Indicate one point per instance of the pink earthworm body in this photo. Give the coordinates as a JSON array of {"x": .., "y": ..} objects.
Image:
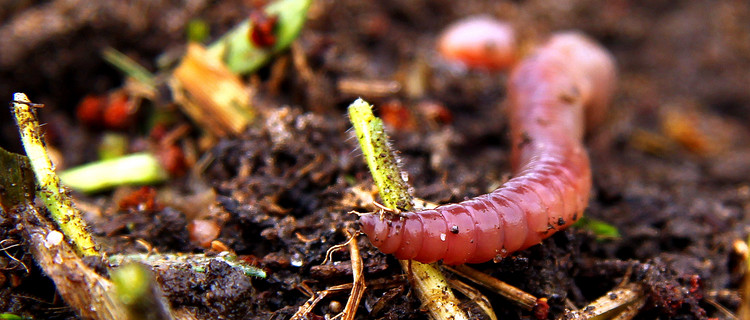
[
  {"x": 565, "y": 85},
  {"x": 480, "y": 43}
]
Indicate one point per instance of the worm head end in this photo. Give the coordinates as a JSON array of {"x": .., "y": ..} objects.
[{"x": 368, "y": 223}]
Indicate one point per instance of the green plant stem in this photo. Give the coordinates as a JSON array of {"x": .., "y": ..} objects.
[
  {"x": 380, "y": 159},
  {"x": 138, "y": 292},
  {"x": 67, "y": 217},
  {"x": 197, "y": 261},
  {"x": 128, "y": 66},
  {"x": 133, "y": 169},
  {"x": 429, "y": 282}
]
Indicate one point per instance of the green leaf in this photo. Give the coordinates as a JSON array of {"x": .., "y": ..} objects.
[
  {"x": 16, "y": 180},
  {"x": 602, "y": 230},
  {"x": 10, "y": 316},
  {"x": 242, "y": 57}
]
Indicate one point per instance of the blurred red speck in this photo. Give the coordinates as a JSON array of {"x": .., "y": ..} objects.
[
  {"x": 15, "y": 280},
  {"x": 397, "y": 116},
  {"x": 435, "y": 111},
  {"x": 695, "y": 286},
  {"x": 218, "y": 246},
  {"x": 249, "y": 259},
  {"x": 158, "y": 131},
  {"x": 541, "y": 309},
  {"x": 141, "y": 199},
  {"x": 479, "y": 42},
  {"x": 376, "y": 25},
  {"x": 118, "y": 114},
  {"x": 262, "y": 29},
  {"x": 89, "y": 110},
  {"x": 173, "y": 159},
  {"x": 276, "y": 260}
]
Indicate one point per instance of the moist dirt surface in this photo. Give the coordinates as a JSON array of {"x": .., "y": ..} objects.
[{"x": 671, "y": 164}]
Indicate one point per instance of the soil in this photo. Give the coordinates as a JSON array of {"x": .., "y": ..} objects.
[{"x": 671, "y": 164}]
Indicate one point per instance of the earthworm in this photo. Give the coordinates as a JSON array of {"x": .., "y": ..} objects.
[
  {"x": 479, "y": 42},
  {"x": 565, "y": 85}
]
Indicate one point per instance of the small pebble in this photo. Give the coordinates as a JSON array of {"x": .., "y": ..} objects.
[{"x": 202, "y": 232}]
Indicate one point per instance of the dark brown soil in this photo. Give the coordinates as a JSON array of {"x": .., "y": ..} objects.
[{"x": 671, "y": 164}]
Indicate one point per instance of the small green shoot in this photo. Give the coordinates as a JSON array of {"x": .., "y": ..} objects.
[
  {"x": 10, "y": 316},
  {"x": 60, "y": 205},
  {"x": 380, "y": 159},
  {"x": 128, "y": 66},
  {"x": 131, "y": 282},
  {"x": 134, "y": 169},
  {"x": 112, "y": 146},
  {"x": 247, "y": 269},
  {"x": 602, "y": 230},
  {"x": 197, "y": 262},
  {"x": 197, "y": 30},
  {"x": 137, "y": 290}
]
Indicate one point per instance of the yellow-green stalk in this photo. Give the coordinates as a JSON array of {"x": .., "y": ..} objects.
[
  {"x": 60, "y": 206},
  {"x": 382, "y": 162},
  {"x": 431, "y": 286}
]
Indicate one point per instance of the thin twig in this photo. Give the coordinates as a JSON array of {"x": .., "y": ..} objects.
[
  {"x": 332, "y": 249},
  {"x": 726, "y": 312},
  {"x": 5, "y": 249},
  {"x": 619, "y": 298},
  {"x": 520, "y": 297},
  {"x": 305, "y": 309},
  {"x": 358, "y": 286},
  {"x": 744, "y": 309},
  {"x": 631, "y": 310},
  {"x": 475, "y": 295}
]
